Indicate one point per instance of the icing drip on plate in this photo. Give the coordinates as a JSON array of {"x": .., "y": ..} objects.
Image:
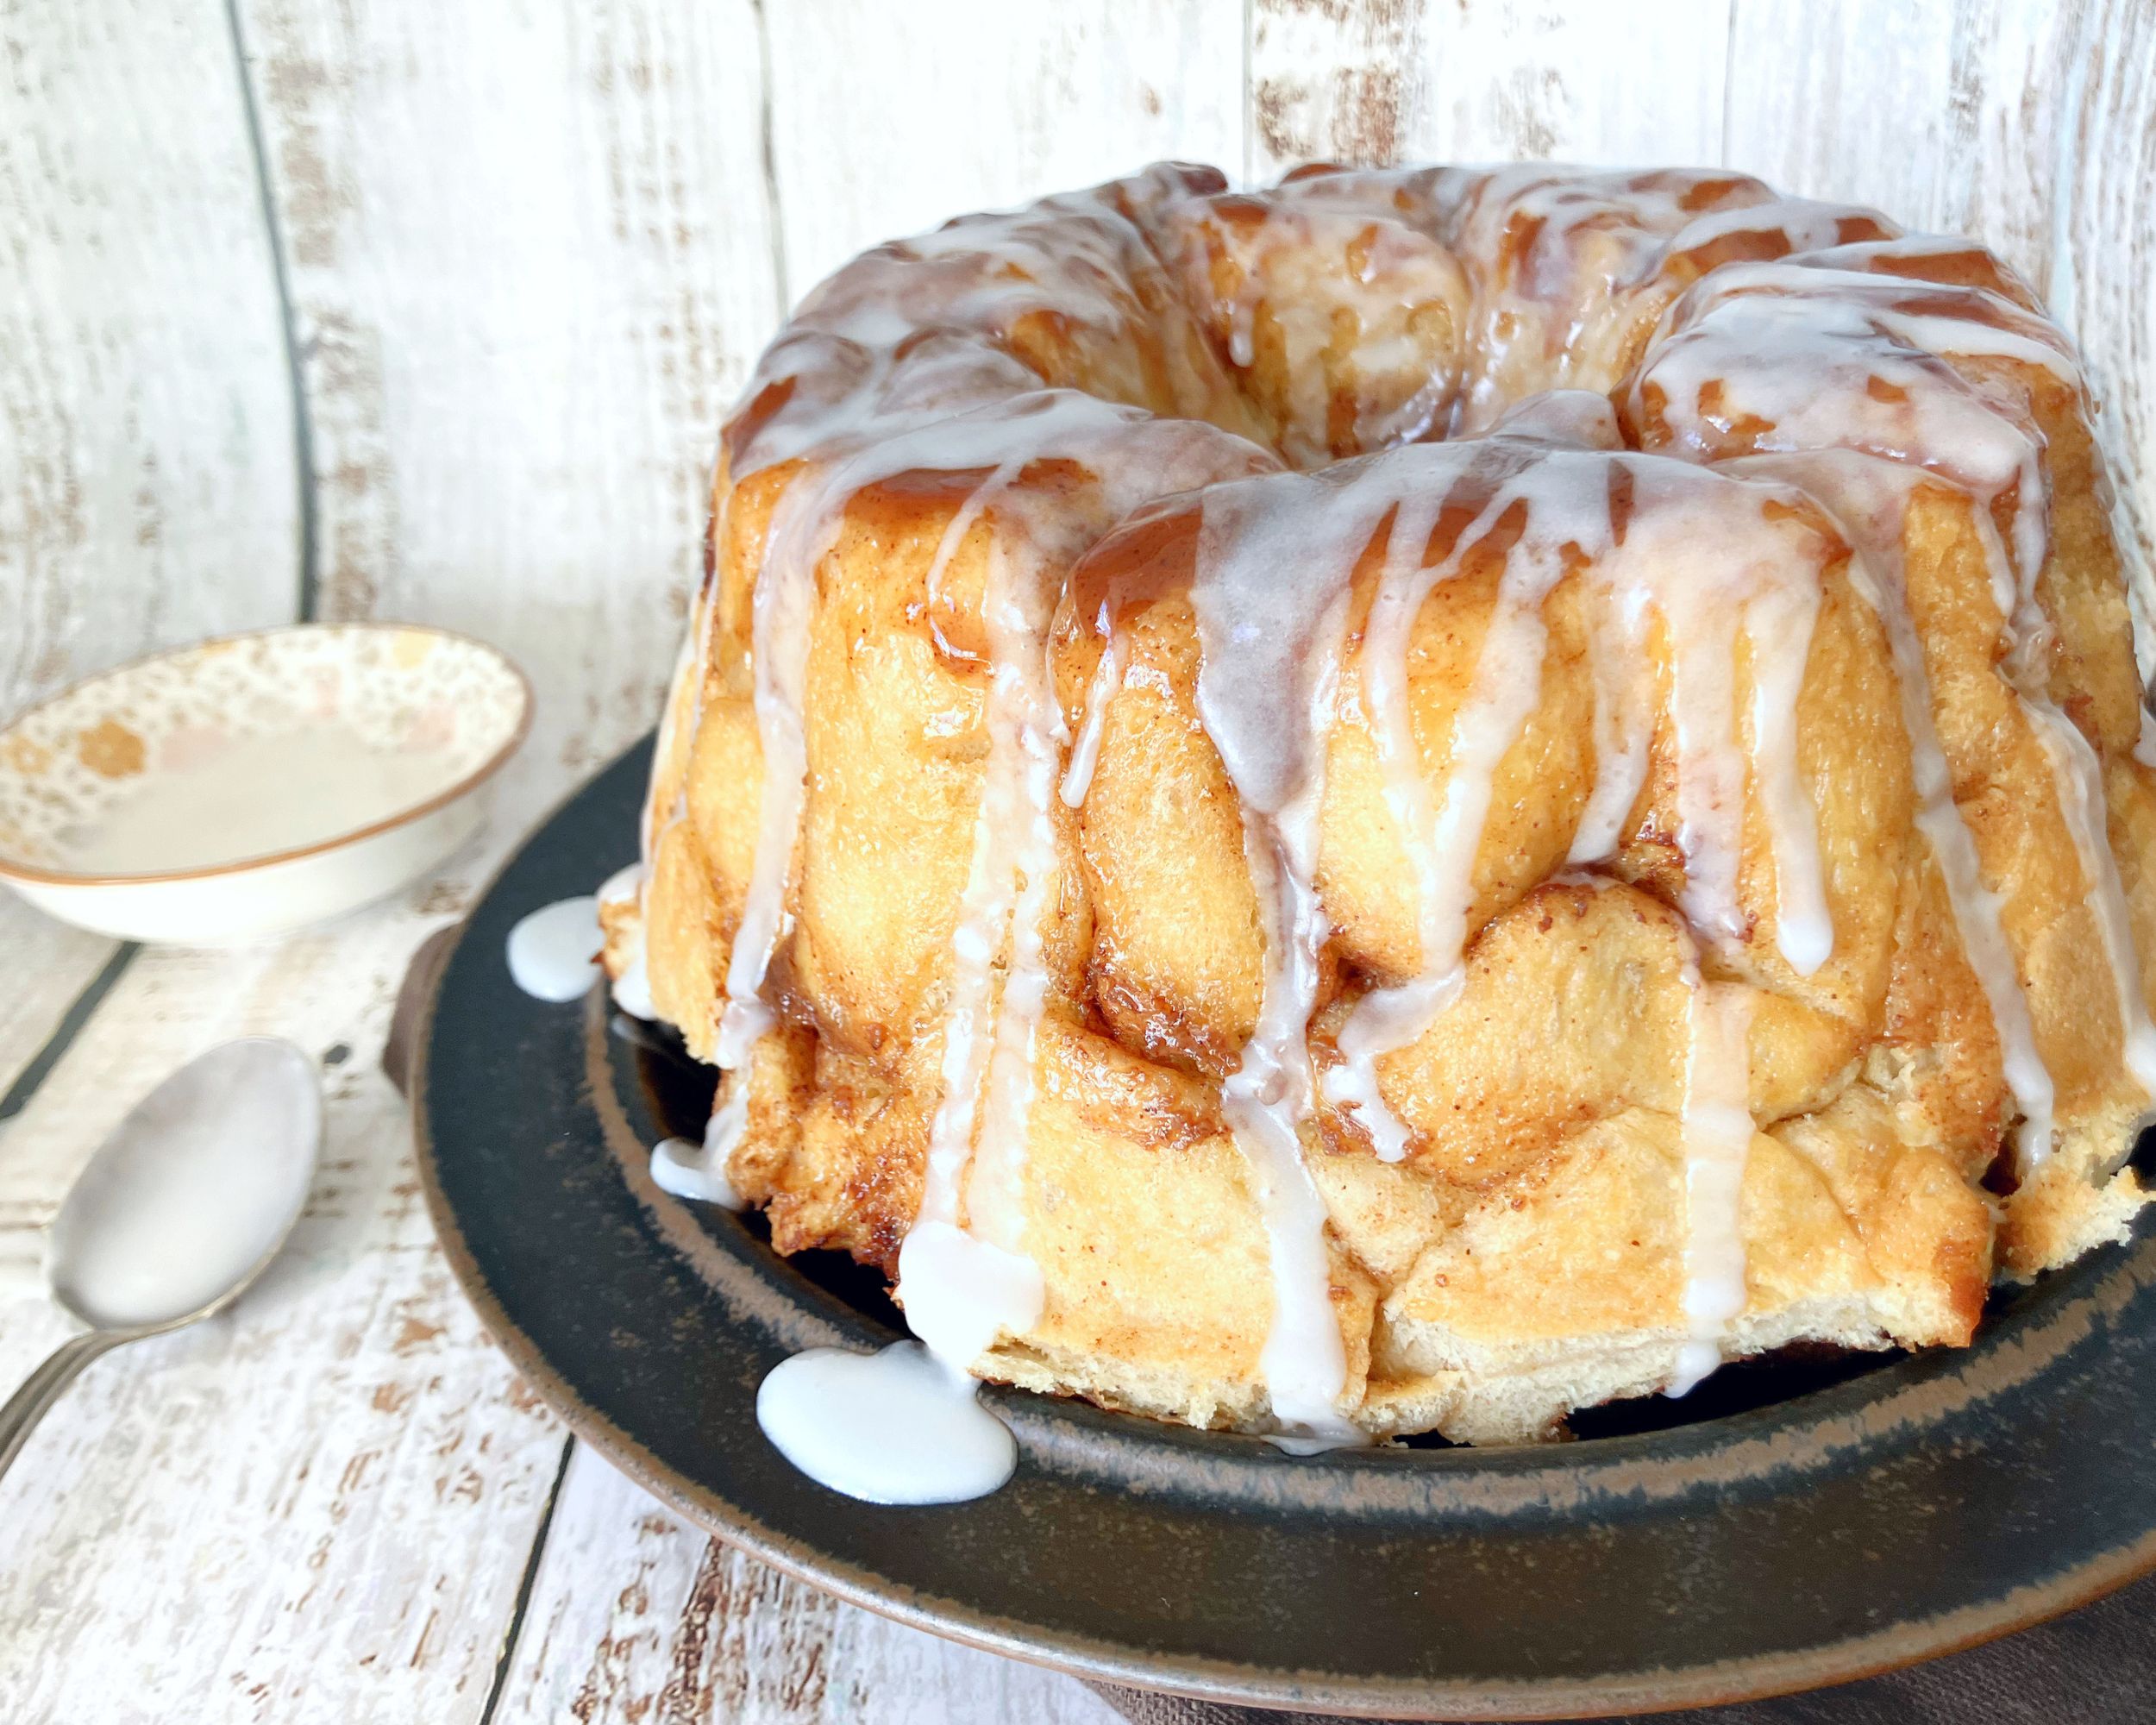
[
  {"x": 553, "y": 952},
  {"x": 689, "y": 1170},
  {"x": 896, "y": 1427}
]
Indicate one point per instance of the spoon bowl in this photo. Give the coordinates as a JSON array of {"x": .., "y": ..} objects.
[
  {"x": 193, "y": 1192},
  {"x": 179, "y": 1209}
]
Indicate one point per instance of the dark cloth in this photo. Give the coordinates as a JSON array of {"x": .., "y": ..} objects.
[{"x": 2094, "y": 1666}]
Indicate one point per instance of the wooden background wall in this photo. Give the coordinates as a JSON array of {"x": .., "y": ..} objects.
[
  {"x": 389, "y": 308},
  {"x": 402, "y": 308}
]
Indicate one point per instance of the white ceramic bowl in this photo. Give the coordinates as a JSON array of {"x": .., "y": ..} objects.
[{"x": 253, "y": 785}]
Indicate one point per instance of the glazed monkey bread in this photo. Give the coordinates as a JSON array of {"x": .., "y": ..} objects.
[{"x": 1415, "y": 800}]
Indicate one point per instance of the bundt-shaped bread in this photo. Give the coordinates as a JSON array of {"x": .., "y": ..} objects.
[{"x": 1415, "y": 800}]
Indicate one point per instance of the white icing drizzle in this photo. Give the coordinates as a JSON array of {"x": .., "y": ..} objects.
[
  {"x": 1443, "y": 842},
  {"x": 1712, "y": 572},
  {"x": 1266, "y": 1100},
  {"x": 1777, "y": 626},
  {"x": 1119, "y": 443},
  {"x": 2078, "y": 775},
  {"x": 687, "y": 1170},
  {"x": 1705, "y": 560},
  {"x": 1829, "y": 358},
  {"x": 1717, "y": 1128},
  {"x": 1802, "y": 224},
  {"x": 1810, "y": 358},
  {"x": 1387, "y": 1018},
  {"x": 2077, "y": 778},
  {"x": 703, "y": 1172},
  {"x": 779, "y": 626},
  {"x": 1267, "y": 626},
  {"x": 1869, "y": 499},
  {"x": 1624, "y": 726},
  {"x": 632, "y": 988},
  {"x": 906, "y": 363},
  {"x": 553, "y": 952},
  {"x": 1084, "y": 752},
  {"x": 1269, "y": 630},
  {"x": 963, "y": 1277}
]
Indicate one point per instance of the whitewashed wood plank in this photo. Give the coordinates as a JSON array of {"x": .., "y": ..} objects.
[
  {"x": 48, "y": 964},
  {"x": 148, "y": 491},
  {"x": 2103, "y": 258},
  {"x": 637, "y": 1616},
  {"x": 530, "y": 252},
  {"x": 1381, "y": 81},
  {"x": 1924, "y": 110},
  {"x": 887, "y": 120},
  {"x": 318, "y": 1506},
  {"x": 2032, "y": 126}
]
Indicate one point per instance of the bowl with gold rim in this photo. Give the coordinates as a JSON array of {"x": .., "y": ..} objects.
[{"x": 244, "y": 787}]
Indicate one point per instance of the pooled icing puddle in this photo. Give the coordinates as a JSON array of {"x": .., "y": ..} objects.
[
  {"x": 894, "y": 1426},
  {"x": 553, "y": 953}
]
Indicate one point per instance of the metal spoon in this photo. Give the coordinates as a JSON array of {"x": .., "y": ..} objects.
[{"x": 179, "y": 1210}]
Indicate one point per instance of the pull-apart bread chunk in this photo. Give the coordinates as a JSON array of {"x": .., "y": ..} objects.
[{"x": 1416, "y": 801}]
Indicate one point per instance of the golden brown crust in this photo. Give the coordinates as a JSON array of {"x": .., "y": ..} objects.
[{"x": 1528, "y": 1256}]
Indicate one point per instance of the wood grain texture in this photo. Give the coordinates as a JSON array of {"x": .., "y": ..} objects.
[
  {"x": 529, "y": 254},
  {"x": 888, "y": 120},
  {"x": 1377, "y": 81},
  {"x": 534, "y": 249},
  {"x": 147, "y": 484},
  {"x": 318, "y": 1505},
  {"x": 48, "y": 964},
  {"x": 2103, "y": 259},
  {"x": 638, "y": 1619}
]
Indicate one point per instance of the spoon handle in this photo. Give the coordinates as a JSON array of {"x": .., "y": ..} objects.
[{"x": 43, "y": 1387}]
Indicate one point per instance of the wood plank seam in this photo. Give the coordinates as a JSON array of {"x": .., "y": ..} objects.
[
  {"x": 306, "y": 601},
  {"x": 71, "y": 1024},
  {"x": 1729, "y": 74},
  {"x": 523, "y": 1602},
  {"x": 1248, "y": 167},
  {"x": 781, "y": 277}
]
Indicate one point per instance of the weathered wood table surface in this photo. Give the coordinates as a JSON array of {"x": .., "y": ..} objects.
[
  {"x": 384, "y": 309},
  {"x": 337, "y": 1500}
]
